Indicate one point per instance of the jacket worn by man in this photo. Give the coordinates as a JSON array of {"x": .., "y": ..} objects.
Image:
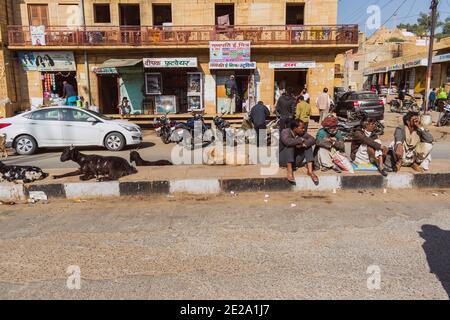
[
  {"x": 400, "y": 135},
  {"x": 230, "y": 87},
  {"x": 259, "y": 115},
  {"x": 286, "y": 106},
  {"x": 303, "y": 111},
  {"x": 68, "y": 91},
  {"x": 289, "y": 140},
  {"x": 322, "y": 142},
  {"x": 359, "y": 138},
  {"x": 323, "y": 101}
]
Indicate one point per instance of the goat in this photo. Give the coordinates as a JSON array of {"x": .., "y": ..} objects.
[
  {"x": 27, "y": 174},
  {"x": 136, "y": 158},
  {"x": 93, "y": 166}
]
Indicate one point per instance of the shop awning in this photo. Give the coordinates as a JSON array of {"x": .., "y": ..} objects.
[{"x": 117, "y": 63}]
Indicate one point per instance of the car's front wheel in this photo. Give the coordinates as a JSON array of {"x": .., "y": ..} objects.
[
  {"x": 114, "y": 141},
  {"x": 25, "y": 145}
]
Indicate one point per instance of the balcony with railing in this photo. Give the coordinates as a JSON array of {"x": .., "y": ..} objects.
[{"x": 90, "y": 36}]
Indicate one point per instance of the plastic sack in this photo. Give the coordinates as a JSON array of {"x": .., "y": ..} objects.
[{"x": 342, "y": 161}]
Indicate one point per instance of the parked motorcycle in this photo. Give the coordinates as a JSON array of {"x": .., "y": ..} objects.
[
  {"x": 185, "y": 133},
  {"x": 164, "y": 128},
  {"x": 348, "y": 126},
  {"x": 408, "y": 105},
  {"x": 224, "y": 128},
  {"x": 444, "y": 118}
]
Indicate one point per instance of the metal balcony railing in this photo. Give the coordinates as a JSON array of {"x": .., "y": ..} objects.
[{"x": 187, "y": 35}]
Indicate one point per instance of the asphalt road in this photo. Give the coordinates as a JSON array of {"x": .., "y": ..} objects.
[
  {"x": 226, "y": 247},
  {"x": 152, "y": 149}
]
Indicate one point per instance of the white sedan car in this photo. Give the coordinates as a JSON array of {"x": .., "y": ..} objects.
[{"x": 66, "y": 126}]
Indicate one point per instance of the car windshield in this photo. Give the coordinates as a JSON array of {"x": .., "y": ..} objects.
[
  {"x": 101, "y": 116},
  {"x": 367, "y": 96}
]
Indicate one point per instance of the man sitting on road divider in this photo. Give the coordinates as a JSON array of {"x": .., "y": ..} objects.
[
  {"x": 328, "y": 141},
  {"x": 296, "y": 147},
  {"x": 367, "y": 147},
  {"x": 412, "y": 144}
]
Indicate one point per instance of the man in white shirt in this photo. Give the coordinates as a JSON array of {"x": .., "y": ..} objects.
[{"x": 324, "y": 103}]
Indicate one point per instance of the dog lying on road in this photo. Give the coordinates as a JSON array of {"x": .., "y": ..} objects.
[
  {"x": 93, "y": 166},
  {"x": 136, "y": 158},
  {"x": 214, "y": 156},
  {"x": 4, "y": 153},
  {"x": 27, "y": 174}
]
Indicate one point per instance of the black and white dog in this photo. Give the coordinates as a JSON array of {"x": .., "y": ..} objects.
[{"x": 27, "y": 174}]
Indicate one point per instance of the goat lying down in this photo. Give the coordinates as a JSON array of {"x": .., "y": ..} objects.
[
  {"x": 98, "y": 167},
  {"x": 136, "y": 158},
  {"x": 27, "y": 174}
]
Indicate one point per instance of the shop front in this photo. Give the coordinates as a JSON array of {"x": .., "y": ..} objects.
[
  {"x": 54, "y": 68},
  {"x": 118, "y": 79},
  {"x": 232, "y": 58},
  {"x": 290, "y": 74},
  {"x": 244, "y": 73},
  {"x": 173, "y": 85}
]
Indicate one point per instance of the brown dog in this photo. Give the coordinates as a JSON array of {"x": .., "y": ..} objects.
[{"x": 3, "y": 152}]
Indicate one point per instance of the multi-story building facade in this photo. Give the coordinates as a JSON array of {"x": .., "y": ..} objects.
[{"x": 175, "y": 53}]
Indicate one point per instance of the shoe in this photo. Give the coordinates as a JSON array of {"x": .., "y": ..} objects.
[
  {"x": 383, "y": 172},
  {"x": 417, "y": 168},
  {"x": 337, "y": 169}
]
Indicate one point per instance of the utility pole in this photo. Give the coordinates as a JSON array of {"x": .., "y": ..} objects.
[
  {"x": 86, "y": 61},
  {"x": 434, "y": 5}
]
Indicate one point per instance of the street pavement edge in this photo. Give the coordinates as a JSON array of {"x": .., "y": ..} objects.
[{"x": 83, "y": 190}]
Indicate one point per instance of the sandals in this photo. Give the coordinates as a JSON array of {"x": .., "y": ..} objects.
[{"x": 314, "y": 178}]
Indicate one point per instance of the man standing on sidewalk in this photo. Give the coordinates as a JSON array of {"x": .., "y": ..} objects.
[
  {"x": 259, "y": 114},
  {"x": 323, "y": 102},
  {"x": 285, "y": 108},
  {"x": 230, "y": 91}
]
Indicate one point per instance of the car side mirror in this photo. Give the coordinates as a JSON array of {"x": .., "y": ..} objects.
[{"x": 92, "y": 120}]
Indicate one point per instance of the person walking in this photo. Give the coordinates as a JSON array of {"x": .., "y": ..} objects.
[
  {"x": 285, "y": 107},
  {"x": 324, "y": 102}
]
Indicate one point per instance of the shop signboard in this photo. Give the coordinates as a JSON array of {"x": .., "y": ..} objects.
[
  {"x": 37, "y": 35},
  {"x": 380, "y": 70},
  {"x": 232, "y": 65},
  {"x": 170, "y": 63},
  {"x": 48, "y": 61},
  {"x": 395, "y": 67},
  {"x": 100, "y": 70},
  {"x": 416, "y": 63},
  {"x": 292, "y": 64},
  {"x": 229, "y": 51},
  {"x": 441, "y": 58}
]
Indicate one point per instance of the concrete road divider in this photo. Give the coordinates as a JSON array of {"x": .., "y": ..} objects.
[{"x": 85, "y": 190}]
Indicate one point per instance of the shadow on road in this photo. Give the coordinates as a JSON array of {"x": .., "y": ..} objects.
[
  {"x": 47, "y": 151},
  {"x": 437, "y": 249}
]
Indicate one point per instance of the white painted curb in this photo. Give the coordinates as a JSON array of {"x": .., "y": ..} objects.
[
  {"x": 400, "y": 181},
  {"x": 10, "y": 191},
  {"x": 92, "y": 190},
  {"x": 193, "y": 186},
  {"x": 325, "y": 183}
]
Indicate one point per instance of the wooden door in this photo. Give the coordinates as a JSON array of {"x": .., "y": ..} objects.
[{"x": 38, "y": 14}]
